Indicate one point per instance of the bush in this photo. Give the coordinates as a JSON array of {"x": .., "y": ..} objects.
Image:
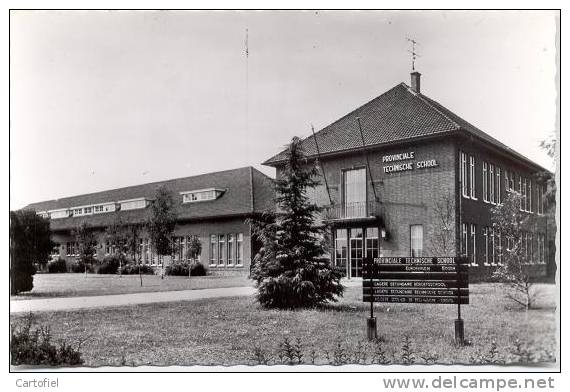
[
  {"x": 177, "y": 269},
  {"x": 109, "y": 265},
  {"x": 34, "y": 347},
  {"x": 133, "y": 269},
  {"x": 57, "y": 267},
  {"x": 79, "y": 267},
  {"x": 197, "y": 269}
]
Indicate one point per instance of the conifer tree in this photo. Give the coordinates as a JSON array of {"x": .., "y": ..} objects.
[{"x": 290, "y": 269}]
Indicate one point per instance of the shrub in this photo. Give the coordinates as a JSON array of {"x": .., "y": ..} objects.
[
  {"x": 79, "y": 267},
  {"x": 177, "y": 269},
  {"x": 133, "y": 269},
  {"x": 57, "y": 266},
  {"x": 29, "y": 243},
  {"x": 198, "y": 269},
  {"x": 109, "y": 265},
  {"x": 34, "y": 347}
]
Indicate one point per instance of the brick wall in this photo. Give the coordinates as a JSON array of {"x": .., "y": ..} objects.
[{"x": 407, "y": 197}]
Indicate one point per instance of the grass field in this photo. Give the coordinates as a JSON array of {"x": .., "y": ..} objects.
[
  {"x": 74, "y": 285},
  {"x": 225, "y": 331}
]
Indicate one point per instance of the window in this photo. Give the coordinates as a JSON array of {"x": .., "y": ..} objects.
[
  {"x": 213, "y": 249},
  {"x": 486, "y": 236},
  {"x": 221, "y": 250},
  {"x": 231, "y": 249},
  {"x": 372, "y": 242},
  {"x": 201, "y": 195},
  {"x": 356, "y": 252},
  {"x": 354, "y": 192},
  {"x": 239, "y": 249},
  {"x": 507, "y": 188},
  {"x": 463, "y": 249},
  {"x": 463, "y": 173},
  {"x": 416, "y": 240},
  {"x": 493, "y": 245},
  {"x": 473, "y": 244},
  {"x": 499, "y": 248},
  {"x": 521, "y": 194},
  {"x": 498, "y": 189},
  {"x": 492, "y": 183},
  {"x": 539, "y": 201},
  {"x": 529, "y": 195},
  {"x": 472, "y": 176},
  {"x": 541, "y": 248},
  {"x": 87, "y": 210},
  {"x": 341, "y": 248},
  {"x": 485, "y": 185},
  {"x": 133, "y": 204}
]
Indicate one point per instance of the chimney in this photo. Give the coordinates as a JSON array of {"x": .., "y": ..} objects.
[{"x": 416, "y": 81}]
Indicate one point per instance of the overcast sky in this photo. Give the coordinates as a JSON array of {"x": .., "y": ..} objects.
[{"x": 101, "y": 100}]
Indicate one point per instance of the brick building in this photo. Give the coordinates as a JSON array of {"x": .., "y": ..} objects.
[
  {"x": 402, "y": 170},
  {"x": 213, "y": 207}
]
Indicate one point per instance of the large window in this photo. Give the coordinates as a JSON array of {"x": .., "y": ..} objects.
[
  {"x": 464, "y": 245},
  {"x": 492, "y": 183},
  {"x": 472, "y": 177},
  {"x": 239, "y": 249},
  {"x": 463, "y": 173},
  {"x": 498, "y": 188},
  {"x": 529, "y": 196},
  {"x": 221, "y": 250},
  {"x": 354, "y": 192},
  {"x": 521, "y": 192},
  {"x": 486, "y": 238},
  {"x": 372, "y": 242},
  {"x": 473, "y": 244},
  {"x": 231, "y": 249},
  {"x": 416, "y": 240},
  {"x": 485, "y": 183},
  {"x": 213, "y": 249},
  {"x": 341, "y": 248}
]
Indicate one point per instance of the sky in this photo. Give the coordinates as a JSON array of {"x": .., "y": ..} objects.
[{"x": 106, "y": 99}]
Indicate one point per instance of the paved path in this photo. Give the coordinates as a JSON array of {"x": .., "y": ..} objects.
[{"x": 100, "y": 301}]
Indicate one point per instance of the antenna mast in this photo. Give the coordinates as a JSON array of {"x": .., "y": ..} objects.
[{"x": 413, "y": 52}]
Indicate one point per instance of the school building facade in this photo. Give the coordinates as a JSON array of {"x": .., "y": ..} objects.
[
  {"x": 404, "y": 176},
  {"x": 213, "y": 207}
]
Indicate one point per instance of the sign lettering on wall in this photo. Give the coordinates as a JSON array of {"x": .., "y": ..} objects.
[{"x": 406, "y": 166}]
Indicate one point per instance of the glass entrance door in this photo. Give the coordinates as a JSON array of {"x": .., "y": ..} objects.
[
  {"x": 356, "y": 252},
  {"x": 350, "y": 247}
]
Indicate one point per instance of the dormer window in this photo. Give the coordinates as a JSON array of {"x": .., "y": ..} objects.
[
  {"x": 133, "y": 204},
  {"x": 201, "y": 195}
]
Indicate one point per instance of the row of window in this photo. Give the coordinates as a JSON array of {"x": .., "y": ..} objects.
[
  {"x": 492, "y": 179},
  {"x": 226, "y": 250},
  {"x": 133, "y": 204},
  {"x": 532, "y": 245}
]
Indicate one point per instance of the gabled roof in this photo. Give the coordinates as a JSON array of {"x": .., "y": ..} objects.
[
  {"x": 397, "y": 115},
  {"x": 246, "y": 191}
]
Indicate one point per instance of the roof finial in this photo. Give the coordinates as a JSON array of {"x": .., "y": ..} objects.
[{"x": 413, "y": 52}]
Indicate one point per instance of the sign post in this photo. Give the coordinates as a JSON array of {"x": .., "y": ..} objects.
[
  {"x": 371, "y": 331},
  {"x": 420, "y": 280}
]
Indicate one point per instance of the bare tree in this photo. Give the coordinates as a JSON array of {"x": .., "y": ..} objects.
[
  {"x": 442, "y": 238},
  {"x": 510, "y": 222}
]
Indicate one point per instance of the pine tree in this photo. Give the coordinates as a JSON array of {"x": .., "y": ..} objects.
[{"x": 290, "y": 269}]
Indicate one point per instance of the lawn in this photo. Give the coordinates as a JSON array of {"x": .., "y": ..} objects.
[
  {"x": 76, "y": 284},
  {"x": 226, "y": 331}
]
